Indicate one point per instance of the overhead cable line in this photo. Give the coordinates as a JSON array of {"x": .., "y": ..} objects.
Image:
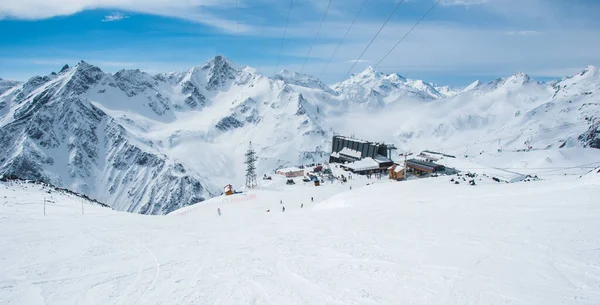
[
  {"x": 343, "y": 38},
  {"x": 262, "y": 34},
  {"x": 582, "y": 166},
  {"x": 237, "y": 29},
  {"x": 284, "y": 32},
  {"x": 513, "y": 135},
  {"x": 373, "y": 39},
  {"x": 407, "y": 33},
  {"x": 314, "y": 39}
]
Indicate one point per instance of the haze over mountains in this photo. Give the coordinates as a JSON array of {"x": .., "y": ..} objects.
[{"x": 153, "y": 143}]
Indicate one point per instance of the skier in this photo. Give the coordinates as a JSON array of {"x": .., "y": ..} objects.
[
  {"x": 312, "y": 199},
  {"x": 351, "y": 187},
  {"x": 268, "y": 211},
  {"x": 301, "y": 205},
  {"x": 219, "y": 211},
  {"x": 280, "y": 201},
  {"x": 283, "y": 210}
]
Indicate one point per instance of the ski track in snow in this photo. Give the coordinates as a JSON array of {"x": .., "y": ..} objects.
[{"x": 386, "y": 243}]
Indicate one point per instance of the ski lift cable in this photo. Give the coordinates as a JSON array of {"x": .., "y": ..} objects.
[
  {"x": 407, "y": 33},
  {"x": 262, "y": 34},
  {"x": 316, "y": 35},
  {"x": 284, "y": 32},
  {"x": 373, "y": 39},
  {"x": 582, "y": 166},
  {"x": 343, "y": 38},
  {"x": 514, "y": 135}
]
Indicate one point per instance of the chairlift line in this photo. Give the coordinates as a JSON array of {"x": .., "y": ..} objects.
[
  {"x": 316, "y": 35},
  {"x": 283, "y": 37},
  {"x": 237, "y": 28},
  {"x": 343, "y": 38},
  {"x": 514, "y": 135},
  {"x": 407, "y": 33},
  {"x": 373, "y": 39}
]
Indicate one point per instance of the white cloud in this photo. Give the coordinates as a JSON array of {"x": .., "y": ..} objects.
[
  {"x": 463, "y": 2},
  {"x": 114, "y": 17},
  {"x": 450, "y": 49},
  {"x": 522, "y": 33},
  {"x": 193, "y": 10},
  {"x": 357, "y": 60}
]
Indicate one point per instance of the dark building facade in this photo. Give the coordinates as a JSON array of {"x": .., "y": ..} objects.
[
  {"x": 424, "y": 166},
  {"x": 344, "y": 149}
]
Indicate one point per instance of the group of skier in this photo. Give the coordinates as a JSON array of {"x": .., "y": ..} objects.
[
  {"x": 280, "y": 202},
  {"x": 301, "y": 205}
]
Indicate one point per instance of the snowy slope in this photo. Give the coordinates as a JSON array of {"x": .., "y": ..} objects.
[
  {"x": 386, "y": 243},
  {"x": 5, "y": 85},
  {"x": 153, "y": 143}
]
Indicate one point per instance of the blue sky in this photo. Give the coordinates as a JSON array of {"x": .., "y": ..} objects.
[{"x": 459, "y": 42}]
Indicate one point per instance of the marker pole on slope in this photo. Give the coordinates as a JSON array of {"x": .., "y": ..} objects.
[
  {"x": 82, "y": 212},
  {"x": 44, "y": 206}
]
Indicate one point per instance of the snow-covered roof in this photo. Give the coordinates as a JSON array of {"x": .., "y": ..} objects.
[
  {"x": 335, "y": 154},
  {"x": 352, "y": 139},
  {"x": 289, "y": 169},
  {"x": 350, "y": 152},
  {"x": 429, "y": 156},
  {"x": 362, "y": 165},
  {"x": 396, "y": 168},
  {"x": 382, "y": 159}
]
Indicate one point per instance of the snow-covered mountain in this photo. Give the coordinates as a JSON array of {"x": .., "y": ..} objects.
[
  {"x": 389, "y": 88},
  {"x": 152, "y": 143},
  {"x": 5, "y": 85}
]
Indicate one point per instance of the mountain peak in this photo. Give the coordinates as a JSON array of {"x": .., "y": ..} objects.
[
  {"x": 64, "y": 68},
  {"x": 592, "y": 70},
  {"x": 215, "y": 72},
  {"x": 519, "y": 78},
  {"x": 472, "y": 86},
  {"x": 84, "y": 66},
  {"x": 287, "y": 73},
  {"x": 83, "y": 77},
  {"x": 368, "y": 71},
  {"x": 300, "y": 79},
  {"x": 219, "y": 62}
]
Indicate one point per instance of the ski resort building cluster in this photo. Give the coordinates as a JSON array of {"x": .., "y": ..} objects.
[{"x": 365, "y": 158}]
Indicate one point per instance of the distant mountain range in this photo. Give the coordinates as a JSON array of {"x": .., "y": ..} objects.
[{"x": 153, "y": 143}]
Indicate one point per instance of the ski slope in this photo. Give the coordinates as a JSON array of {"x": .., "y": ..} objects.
[{"x": 425, "y": 241}]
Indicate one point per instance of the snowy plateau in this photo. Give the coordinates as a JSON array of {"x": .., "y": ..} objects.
[
  {"x": 425, "y": 241},
  {"x": 85, "y": 154},
  {"x": 151, "y": 144}
]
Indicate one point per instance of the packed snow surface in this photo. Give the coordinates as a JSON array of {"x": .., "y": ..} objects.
[{"x": 425, "y": 241}]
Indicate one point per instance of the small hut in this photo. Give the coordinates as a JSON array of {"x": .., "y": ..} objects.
[
  {"x": 396, "y": 172},
  {"x": 228, "y": 190}
]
